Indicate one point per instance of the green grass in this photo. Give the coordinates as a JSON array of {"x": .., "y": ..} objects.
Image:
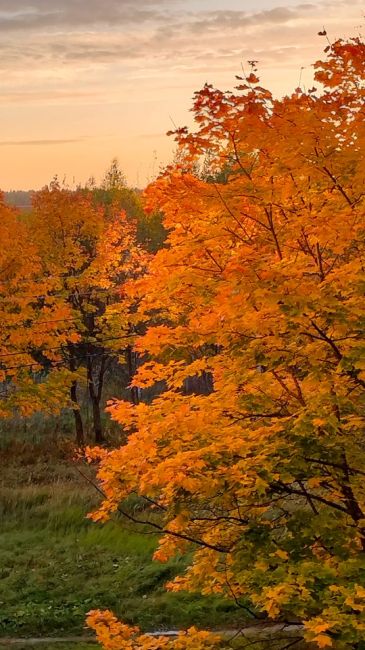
[
  {"x": 56, "y": 565},
  {"x": 55, "y": 646}
]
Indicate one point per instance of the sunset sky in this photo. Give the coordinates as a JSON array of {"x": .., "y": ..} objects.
[{"x": 83, "y": 81}]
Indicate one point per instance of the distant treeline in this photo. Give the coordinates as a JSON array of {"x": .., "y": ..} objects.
[{"x": 20, "y": 199}]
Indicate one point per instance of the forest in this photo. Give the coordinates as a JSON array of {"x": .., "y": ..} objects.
[{"x": 182, "y": 380}]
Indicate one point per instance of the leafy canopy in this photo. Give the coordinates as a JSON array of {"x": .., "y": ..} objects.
[{"x": 261, "y": 287}]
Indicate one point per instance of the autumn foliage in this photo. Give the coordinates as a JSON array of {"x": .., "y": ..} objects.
[
  {"x": 87, "y": 251},
  {"x": 261, "y": 289},
  {"x": 116, "y": 636},
  {"x": 64, "y": 314},
  {"x": 32, "y": 319}
]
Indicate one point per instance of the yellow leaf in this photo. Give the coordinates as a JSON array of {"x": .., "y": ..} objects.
[
  {"x": 282, "y": 554},
  {"x": 323, "y": 640}
]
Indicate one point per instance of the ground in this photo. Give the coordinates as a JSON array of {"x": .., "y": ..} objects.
[{"x": 56, "y": 564}]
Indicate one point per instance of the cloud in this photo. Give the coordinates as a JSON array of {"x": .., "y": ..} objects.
[
  {"x": 26, "y": 143},
  {"x": 46, "y": 93},
  {"x": 74, "y": 66},
  {"x": 167, "y": 36},
  {"x": 40, "y": 15},
  {"x": 58, "y": 14},
  {"x": 152, "y": 136},
  {"x": 92, "y": 46},
  {"x": 74, "y": 31},
  {"x": 236, "y": 20}
]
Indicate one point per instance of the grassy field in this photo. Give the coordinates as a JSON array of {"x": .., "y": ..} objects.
[{"x": 56, "y": 565}]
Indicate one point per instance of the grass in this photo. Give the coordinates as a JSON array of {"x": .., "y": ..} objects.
[
  {"x": 56, "y": 565},
  {"x": 56, "y": 646}
]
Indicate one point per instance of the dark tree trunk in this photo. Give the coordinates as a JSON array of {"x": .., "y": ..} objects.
[
  {"x": 79, "y": 428},
  {"x": 98, "y": 428},
  {"x": 95, "y": 393},
  {"x": 199, "y": 384},
  {"x": 132, "y": 366}
]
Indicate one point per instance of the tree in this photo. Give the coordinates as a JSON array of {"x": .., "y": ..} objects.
[
  {"x": 114, "y": 178},
  {"x": 261, "y": 284},
  {"x": 114, "y": 194},
  {"x": 88, "y": 254},
  {"x": 31, "y": 320}
]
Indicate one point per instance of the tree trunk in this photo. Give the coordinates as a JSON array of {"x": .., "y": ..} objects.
[
  {"x": 132, "y": 365},
  {"x": 199, "y": 384},
  {"x": 79, "y": 429},
  {"x": 98, "y": 428},
  {"x": 95, "y": 393}
]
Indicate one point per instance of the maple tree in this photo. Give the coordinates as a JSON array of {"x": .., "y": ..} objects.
[
  {"x": 113, "y": 195},
  {"x": 86, "y": 254},
  {"x": 261, "y": 287},
  {"x": 28, "y": 318}
]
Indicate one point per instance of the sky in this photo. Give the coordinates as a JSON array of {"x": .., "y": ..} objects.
[{"x": 84, "y": 81}]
